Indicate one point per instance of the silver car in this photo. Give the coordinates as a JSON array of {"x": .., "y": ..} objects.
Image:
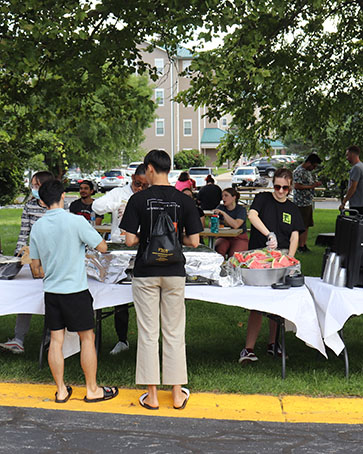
[
  {"x": 114, "y": 178},
  {"x": 199, "y": 174},
  {"x": 244, "y": 175}
]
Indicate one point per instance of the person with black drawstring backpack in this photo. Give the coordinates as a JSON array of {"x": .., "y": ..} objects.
[{"x": 159, "y": 220}]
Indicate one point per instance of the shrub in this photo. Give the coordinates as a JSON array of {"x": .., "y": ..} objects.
[{"x": 189, "y": 158}]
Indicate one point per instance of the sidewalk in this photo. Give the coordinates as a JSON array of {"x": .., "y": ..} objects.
[{"x": 290, "y": 409}]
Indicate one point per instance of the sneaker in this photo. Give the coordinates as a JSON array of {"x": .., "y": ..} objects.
[
  {"x": 271, "y": 350},
  {"x": 13, "y": 346},
  {"x": 245, "y": 356},
  {"x": 120, "y": 347},
  {"x": 303, "y": 249}
]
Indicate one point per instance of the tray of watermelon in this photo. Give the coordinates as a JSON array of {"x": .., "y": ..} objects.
[{"x": 263, "y": 267}]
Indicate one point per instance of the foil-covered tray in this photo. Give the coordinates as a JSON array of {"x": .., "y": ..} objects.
[
  {"x": 203, "y": 265},
  {"x": 9, "y": 267}
]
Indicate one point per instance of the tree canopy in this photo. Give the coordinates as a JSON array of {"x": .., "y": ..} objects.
[
  {"x": 66, "y": 69},
  {"x": 284, "y": 68}
]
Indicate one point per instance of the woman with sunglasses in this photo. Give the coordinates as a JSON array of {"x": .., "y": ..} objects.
[{"x": 275, "y": 222}]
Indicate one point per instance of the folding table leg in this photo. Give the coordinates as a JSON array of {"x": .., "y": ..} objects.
[
  {"x": 283, "y": 348},
  {"x": 43, "y": 344},
  {"x": 280, "y": 330},
  {"x": 345, "y": 354}
]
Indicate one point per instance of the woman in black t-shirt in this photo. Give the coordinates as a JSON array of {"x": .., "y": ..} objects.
[
  {"x": 234, "y": 216},
  {"x": 276, "y": 222}
]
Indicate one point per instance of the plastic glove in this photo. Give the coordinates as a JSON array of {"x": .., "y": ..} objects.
[{"x": 271, "y": 242}]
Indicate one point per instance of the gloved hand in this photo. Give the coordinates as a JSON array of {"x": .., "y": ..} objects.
[{"x": 271, "y": 242}]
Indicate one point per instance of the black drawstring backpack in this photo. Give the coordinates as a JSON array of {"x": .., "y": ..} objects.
[{"x": 163, "y": 248}]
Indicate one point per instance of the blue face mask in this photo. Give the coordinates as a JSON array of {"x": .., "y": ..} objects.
[{"x": 35, "y": 193}]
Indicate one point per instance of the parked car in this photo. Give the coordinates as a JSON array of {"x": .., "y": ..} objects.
[
  {"x": 285, "y": 157},
  {"x": 199, "y": 174},
  {"x": 114, "y": 178},
  {"x": 173, "y": 176},
  {"x": 266, "y": 166},
  {"x": 244, "y": 175},
  {"x": 133, "y": 166},
  {"x": 73, "y": 180},
  {"x": 96, "y": 176}
]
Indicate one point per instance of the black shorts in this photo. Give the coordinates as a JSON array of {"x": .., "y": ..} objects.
[
  {"x": 73, "y": 311},
  {"x": 307, "y": 215}
]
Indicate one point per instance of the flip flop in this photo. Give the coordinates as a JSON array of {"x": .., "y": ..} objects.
[
  {"x": 63, "y": 401},
  {"x": 108, "y": 394},
  {"x": 183, "y": 405},
  {"x": 144, "y": 404}
]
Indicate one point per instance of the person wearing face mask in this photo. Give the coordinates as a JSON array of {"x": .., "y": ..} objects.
[
  {"x": 115, "y": 202},
  {"x": 276, "y": 223},
  {"x": 33, "y": 210}
]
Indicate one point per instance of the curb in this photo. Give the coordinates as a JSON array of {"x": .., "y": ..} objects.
[{"x": 291, "y": 409}]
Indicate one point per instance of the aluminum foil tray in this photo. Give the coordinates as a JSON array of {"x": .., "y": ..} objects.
[{"x": 203, "y": 265}]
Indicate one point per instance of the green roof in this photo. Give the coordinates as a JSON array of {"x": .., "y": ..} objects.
[
  {"x": 182, "y": 52},
  {"x": 212, "y": 135},
  {"x": 275, "y": 143}
]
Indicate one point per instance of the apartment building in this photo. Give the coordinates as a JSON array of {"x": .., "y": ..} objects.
[{"x": 178, "y": 127}]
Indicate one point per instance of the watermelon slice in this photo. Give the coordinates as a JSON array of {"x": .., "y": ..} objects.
[
  {"x": 275, "y": 254},
  {"x": 239, "y": 256},
  {"x": 276, "y": 264},
  {"x": 284, "y": 261}
]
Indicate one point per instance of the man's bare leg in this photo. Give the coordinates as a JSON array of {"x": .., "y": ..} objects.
[
  {"x": 56, "y": 362},
  {"x": 178, "y": 396},
  {"x": 152, "y": 398},
  {"x": 89, "y": 363}
]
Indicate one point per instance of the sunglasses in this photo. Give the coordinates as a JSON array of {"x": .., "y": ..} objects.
[
  {"x": 278, "y": 187},
  {"x": 138, "y": 184}
]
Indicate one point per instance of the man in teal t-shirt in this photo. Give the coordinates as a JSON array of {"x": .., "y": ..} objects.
[{"x": 57, "y": 242}]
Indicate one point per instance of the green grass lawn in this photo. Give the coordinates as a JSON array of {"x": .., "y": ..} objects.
[{"x": 215, "y": 335}]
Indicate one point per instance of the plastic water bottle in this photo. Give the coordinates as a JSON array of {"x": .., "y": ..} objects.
[
  {"x": 214, "y": 224},
  {"x": 93, "y": 218}
]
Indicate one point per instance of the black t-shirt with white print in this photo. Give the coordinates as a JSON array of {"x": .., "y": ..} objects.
[{"x": 144, "y": 206}]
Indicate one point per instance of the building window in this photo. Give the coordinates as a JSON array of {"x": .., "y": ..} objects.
[
  {"x": 224, "y": 122},
  {"x": 160, "y": 127},
  {"x": 159, "y": 96},
  {"x": 159, "y": 65},
  {"x": 187, "y": 126}
]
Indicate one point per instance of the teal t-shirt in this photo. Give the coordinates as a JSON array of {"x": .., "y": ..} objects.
[{"x": 59, "y": 242}]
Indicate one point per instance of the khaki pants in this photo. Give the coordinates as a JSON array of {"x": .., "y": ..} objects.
[{"x": 160, "y": 299}]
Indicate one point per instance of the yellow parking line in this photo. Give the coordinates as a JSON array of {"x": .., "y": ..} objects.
[{"x": 201, "y": 405}]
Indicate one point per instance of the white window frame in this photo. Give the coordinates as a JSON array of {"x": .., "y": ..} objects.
[
  {"x": 159, "y": 65},
  {"x": 191, "y": 127},
  {"x": 186, "y": 64},
  {"x": 159, "y": 91},
  {"x": 224, "y": 120},
  {"x": 162, "y": 121}
]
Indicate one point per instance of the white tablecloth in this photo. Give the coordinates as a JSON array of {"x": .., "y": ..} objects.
[
  {"x": 25, "y": 295},
  {"x": 334, "y": 306}
]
